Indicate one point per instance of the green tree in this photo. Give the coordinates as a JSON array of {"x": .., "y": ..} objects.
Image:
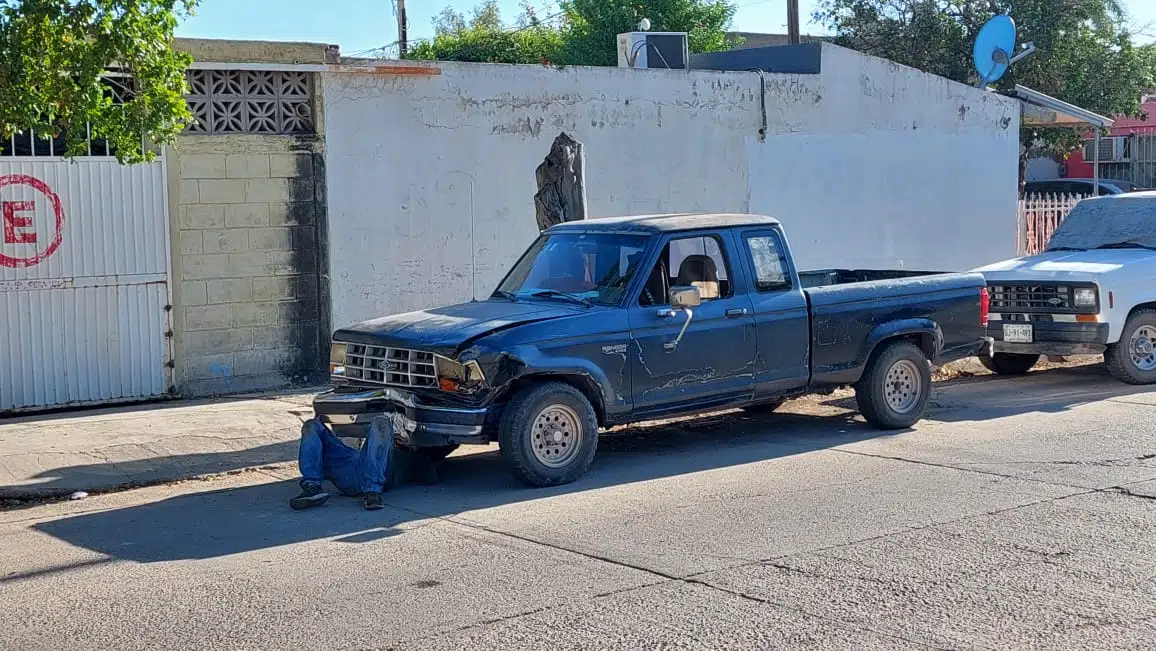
[
  {"x": 594, "y": 25},
  {"x": 55, "y": 56},
  {"x": 1086, "y": 55},
  {"x": 586, "y": 34},
  {"x": 485, "y": 38}
]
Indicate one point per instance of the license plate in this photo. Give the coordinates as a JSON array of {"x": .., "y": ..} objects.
[{"x": 1017, "y": 333}]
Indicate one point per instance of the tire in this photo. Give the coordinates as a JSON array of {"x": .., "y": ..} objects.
[
  {"x": 1126, "y": 360},
  {"x": 550, "y": 409},
  {"x": 439, "y": 452},
  {"x": 764, "y": 407},
  {"x": 902, "y": 362},
  {"x": 1009, "y": 363}
]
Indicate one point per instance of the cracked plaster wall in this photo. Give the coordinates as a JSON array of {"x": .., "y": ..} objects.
[{"x": 430, "y": 179}]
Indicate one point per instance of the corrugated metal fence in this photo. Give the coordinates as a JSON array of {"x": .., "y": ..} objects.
[{"x": 84, "y": 282}]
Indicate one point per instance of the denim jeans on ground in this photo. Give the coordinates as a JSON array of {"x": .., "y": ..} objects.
[{"x": 323, "y": 456}]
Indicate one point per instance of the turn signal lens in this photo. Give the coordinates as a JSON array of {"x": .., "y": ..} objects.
[
  {"x": 1086, "y": 318},
  {"x": 447, "y": 384},
  {"x": 337, "y": 359}
]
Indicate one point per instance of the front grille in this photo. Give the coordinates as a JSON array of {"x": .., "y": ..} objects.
[
  {"x": 393, "y": 366},
  {"x": 1021, "y": 298}
]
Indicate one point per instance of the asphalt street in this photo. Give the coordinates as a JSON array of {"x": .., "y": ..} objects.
[{"x": 1020, "y": 515}]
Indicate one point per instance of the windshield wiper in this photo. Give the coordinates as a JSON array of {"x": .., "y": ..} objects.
[
  {"x": 508, "y": 295},
  {"x": 551, "y": 293}
]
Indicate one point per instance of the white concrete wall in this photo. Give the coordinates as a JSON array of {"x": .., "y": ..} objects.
[
  {"x": 890, "y": 168},
  {"x": 431, "y": 178}
]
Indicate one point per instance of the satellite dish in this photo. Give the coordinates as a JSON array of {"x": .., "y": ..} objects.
[{"x": 993, "y": 49}]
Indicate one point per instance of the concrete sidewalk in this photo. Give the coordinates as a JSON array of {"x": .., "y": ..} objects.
[{"x": 105, "y": 449}]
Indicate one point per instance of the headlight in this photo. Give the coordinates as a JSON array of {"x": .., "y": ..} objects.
[
  {"x": 456, "y": 376},
  {"x": 337, "y": 359},
  {"x": 1084, "y": 297}
]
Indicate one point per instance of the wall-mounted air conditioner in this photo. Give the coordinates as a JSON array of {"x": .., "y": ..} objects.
[
  {"x": 653, "y": 50},
  {"x": 1113, "y": 149}
]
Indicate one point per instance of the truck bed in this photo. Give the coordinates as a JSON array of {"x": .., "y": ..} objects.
[
  {"x": 825, "y": 277},
  {"x": 850, "y": 309}
]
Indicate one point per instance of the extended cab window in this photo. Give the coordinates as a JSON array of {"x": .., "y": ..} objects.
[
  {"x": 688, "y": 261},
  {"x": 587, "y": 267},
  {"x": 770, "y": 263}
]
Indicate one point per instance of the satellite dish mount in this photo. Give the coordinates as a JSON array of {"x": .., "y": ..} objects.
[{"x": 993, "y": 52}]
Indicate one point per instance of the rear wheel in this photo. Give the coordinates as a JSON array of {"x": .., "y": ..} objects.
[
  {"x": 895, "y": 388},
  {"x": 548, "y": 435},
  {"x": 1009, "y": 363},
  {"x": 1133, "y": 359}
]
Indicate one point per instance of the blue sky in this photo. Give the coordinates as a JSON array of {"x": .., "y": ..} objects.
[{"x": 359, "y": 25}]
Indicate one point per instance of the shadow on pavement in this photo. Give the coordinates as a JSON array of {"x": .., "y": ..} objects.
[
  {"x": 1050, "y": 391},
  {"x": 237, "y": 520}
]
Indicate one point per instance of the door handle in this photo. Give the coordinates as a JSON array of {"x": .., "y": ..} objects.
[{"x": 736, "y": 312}]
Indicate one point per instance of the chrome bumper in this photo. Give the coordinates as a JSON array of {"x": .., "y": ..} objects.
[{"x": 350, "y": 414}]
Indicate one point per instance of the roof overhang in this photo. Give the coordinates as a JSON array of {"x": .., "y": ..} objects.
[{"x": 1040, "y": 110}]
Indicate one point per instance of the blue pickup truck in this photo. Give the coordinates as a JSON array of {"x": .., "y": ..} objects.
[{"x": 611, "y": 321}]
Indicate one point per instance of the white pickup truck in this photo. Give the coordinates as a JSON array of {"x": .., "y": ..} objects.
[{"x": 1093, "y": 291}]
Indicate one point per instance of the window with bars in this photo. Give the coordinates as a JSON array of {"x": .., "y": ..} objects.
[
  {"x": 29, "y": 143},
  {"x": 224, "y": 102},
  {"x": 250, "y": 101}
]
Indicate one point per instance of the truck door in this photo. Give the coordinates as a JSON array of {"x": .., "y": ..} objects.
[
  {"x": 782, "y": 320},
  {"x": 713, "y": 362}
]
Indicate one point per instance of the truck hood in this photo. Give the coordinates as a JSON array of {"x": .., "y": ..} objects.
[
  {"x": 1084, "y": 266},
  {"x": 444, "y": 330}
]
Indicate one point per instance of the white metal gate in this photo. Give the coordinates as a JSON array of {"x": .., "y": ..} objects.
[{"x": 84, "y": 282}]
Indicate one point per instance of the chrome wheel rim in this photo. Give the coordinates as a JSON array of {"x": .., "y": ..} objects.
[
  {"x": 556, "y": 436},
  {"x": 1142, "y": 348},
  {"x": 902, "y": 387}
]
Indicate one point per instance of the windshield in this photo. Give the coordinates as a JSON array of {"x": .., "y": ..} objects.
[
  {"x": 1119, "y": 221},
  {"x": 591, "y": 268}
]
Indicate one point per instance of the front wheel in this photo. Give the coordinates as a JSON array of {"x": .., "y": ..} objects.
[
  {"x": 1009, "y": 363},
  {"x": 548, "y": 434},
  {"x": 1132, "y": 360},
  {"x": 895, "y": 388}
]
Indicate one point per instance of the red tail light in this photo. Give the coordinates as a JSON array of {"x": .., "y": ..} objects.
[{"x": 984, "y": 306}]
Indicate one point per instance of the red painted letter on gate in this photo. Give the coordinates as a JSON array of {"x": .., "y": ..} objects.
[{"x": 18, "y": 228}]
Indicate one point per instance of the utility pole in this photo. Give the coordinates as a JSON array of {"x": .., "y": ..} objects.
[
  {"x": 793, "y": 22},
  {"x": 402, "y": 36}
]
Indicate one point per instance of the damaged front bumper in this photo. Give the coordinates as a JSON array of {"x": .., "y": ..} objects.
[{"x": 349, "y": 414}]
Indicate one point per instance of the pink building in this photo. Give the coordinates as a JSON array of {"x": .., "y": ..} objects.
[{"x": 1115, "y": 148}]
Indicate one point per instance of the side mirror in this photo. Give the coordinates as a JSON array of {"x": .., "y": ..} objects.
[{"x": 685, "y": 298}]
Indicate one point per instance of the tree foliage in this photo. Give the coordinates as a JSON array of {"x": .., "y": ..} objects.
[
  {"x": 54, "y": 60},
  {"x": 1085, "y": 54},
  {"x": 593, "y": 26},
  {"x": 582, "y": 32},
  {"x": 485, "y": 38}
]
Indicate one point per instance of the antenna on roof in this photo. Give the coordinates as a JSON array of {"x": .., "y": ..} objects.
[{"x": 994, "y": 45}]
